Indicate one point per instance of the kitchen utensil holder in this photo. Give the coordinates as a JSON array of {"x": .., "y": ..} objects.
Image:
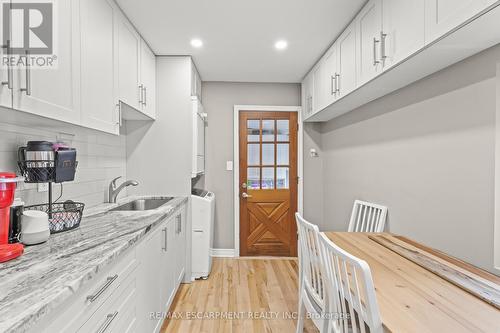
[{"x": 63, "y": 216}]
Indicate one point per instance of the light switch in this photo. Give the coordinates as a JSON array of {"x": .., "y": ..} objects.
[{"x": 229, "y": 165}]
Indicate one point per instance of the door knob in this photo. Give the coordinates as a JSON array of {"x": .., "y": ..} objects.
[{"x": 246, "y": 195}]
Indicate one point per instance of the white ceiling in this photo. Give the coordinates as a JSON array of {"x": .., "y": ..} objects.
[{"x": 239, "y": 35}]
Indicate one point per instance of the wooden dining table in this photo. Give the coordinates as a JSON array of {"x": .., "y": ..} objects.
[{"x": 413, "y": 299}]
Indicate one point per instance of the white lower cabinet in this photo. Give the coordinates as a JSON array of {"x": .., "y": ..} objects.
[{"x": 135, "y": 293}]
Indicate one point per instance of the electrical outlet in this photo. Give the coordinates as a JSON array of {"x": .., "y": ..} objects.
[{"x": 43, "y": 187}]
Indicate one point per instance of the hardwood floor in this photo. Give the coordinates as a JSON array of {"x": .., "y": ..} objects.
[{"x": 241, "y": 295}]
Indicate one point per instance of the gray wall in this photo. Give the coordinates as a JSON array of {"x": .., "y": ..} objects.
[
  {"x": 219, "y": 99},
  {"x": 428, "y": 153}
]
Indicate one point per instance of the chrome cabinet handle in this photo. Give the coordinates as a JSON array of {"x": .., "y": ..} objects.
[
  {"x": 179, "y": 224},
  {"x": 119, "y": 121},
  {"x": 332, "y": 84},
  {"x": 8, "y": 83},
  {"x": 246, "y": 195},
  {"x": 164, "y": 248},
  {"x": 109, "y": 281},
  {"x": 140, "y": 94},
  {"x": 383, "y": 55},
  {"x": 337, "y": 83},
  {"x": 109, "y": 319},
  {"x": 28, "y": 75},
  {"x": 375, "y": 61},
  {"x": 145, "y": 96}
]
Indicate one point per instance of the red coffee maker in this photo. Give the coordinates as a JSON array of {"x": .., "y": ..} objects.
[{"x": 8, "y": 251}]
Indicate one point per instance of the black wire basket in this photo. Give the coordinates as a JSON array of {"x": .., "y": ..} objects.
[
  {"x": 37, "y": 171},
  {"x": 63, "y": 216}
]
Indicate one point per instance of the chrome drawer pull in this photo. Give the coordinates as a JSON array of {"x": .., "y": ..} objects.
[
  {"x": 109, "y": 281},
  {"x": 109, "y": 319}
]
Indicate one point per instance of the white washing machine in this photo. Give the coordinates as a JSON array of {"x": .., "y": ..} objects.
[{"x": 203, "y": 214}]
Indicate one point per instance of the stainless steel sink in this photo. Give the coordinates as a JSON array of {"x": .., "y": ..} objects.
[{"x": 142, "y": 204}]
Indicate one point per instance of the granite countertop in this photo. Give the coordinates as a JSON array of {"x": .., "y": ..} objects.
[{"x": 48, "y": 274}]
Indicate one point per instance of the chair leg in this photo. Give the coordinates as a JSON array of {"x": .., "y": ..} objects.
[{"x": 301, "y": 314}]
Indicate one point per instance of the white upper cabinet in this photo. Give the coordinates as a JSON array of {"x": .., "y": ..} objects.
[
  {"x": 369, "y": 27},
  {"x": 403, "y": 30},
  {"x": 6, "y": 80},
  {"x": 129, "y": 49},
  {"x": 148, "y": 79},
  {"x": 99, "y": 66},
  {"x": 54, "y": 92},
  {"x": 319, "y": 86},
  {"x": 329, "y": 77},
  {"x": 346, "y": 66},
  {"x": 442, "y": 16}
]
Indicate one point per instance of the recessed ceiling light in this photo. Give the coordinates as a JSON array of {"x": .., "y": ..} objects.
[
  {"x": 196, "y": 43},
  {"x": 281, "y": 45}
]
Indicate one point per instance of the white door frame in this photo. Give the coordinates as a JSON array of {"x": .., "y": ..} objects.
[{"x": 236, "y": 160}]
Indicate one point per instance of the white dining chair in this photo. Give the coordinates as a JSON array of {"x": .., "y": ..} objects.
[
  {"x": 350, "y": 291},
  {"x": 311, "y": 277},
  {"x": 367, "y": 217}
]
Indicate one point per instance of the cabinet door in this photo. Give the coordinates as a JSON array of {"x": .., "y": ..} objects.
[
  {"x": 99, "y": 79},
  {"x": 330, "y": 76},
  {"x": 346, "y": 44},
  {"x": 6, "y": 75},
  {"x": 151, "y": 255},
  {"x": 442, "y": 16},
  {"x": 148, "y": 78},
  {"x": 129, "y": 45},
  {"x": 369, "y": 26},
  {"x": 167, "y": 266},
  {"x": 54, "y": 92},
  {"x": 319, "y": 87},
  {"x": 180, "y": 246},
  {"x": 403, "y": 29}
]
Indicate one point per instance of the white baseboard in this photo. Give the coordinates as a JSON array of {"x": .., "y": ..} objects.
[{"x": 225, "y": 253}]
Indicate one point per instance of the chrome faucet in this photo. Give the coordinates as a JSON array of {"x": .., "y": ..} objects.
[{"x": 114, "y": 191}]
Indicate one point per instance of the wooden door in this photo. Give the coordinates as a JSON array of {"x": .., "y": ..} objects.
[{"x": 268, "y": 183}]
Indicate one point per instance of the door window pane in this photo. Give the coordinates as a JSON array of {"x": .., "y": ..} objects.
[
  {"x": 253, "y": 178},
  {"x": 253, "y": 154},
  {"x": 267, "y": 178},
  {"x": 283, "y": 130},
  {"x": 268, "y": 154},
  {"x": 282, "y": 154},
  {"x": 283, "y": 178},
  {"x": 253, "y": 130},
  {"x": 267, "y": 130}
]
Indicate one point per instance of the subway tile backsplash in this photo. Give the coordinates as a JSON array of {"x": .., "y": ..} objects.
[{"x": 101, "y": 157}]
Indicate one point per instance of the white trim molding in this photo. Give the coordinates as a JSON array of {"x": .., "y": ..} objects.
[
  {"x": 496, "y": 233},
  {"x": 236, "y": 158},
  {"x": 222, "y": 253}
]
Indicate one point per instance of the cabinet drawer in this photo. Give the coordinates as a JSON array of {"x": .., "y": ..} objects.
[
  {"x": 118, "y": 313},
  {"x": 72, "y": 314}
]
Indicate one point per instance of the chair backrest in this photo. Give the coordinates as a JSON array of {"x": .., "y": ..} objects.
[
  {"x": 350, "y": 291},
  {"x": 367, "y": 217},
  {"x": 312, "y": 274}
]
